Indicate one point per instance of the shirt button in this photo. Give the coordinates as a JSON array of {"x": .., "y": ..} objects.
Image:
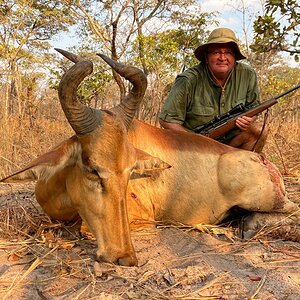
[{"x": 222, "y": 104}]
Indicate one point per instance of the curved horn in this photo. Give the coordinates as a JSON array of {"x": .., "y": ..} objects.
[
  {"x": 83, "y": 119},
  {"x": 72, "y": 57},
  {"x": 128, "y": 106}
]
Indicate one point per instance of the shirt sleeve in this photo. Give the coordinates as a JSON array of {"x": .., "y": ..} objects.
[{"x": 174, "y": 108}]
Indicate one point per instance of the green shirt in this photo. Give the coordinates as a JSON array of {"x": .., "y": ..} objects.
[{"x": 195, "y": 99}]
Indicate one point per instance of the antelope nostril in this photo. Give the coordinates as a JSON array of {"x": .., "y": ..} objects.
[
  {"x": 128, "y": 261},
  {"x": 101, "y": 258}
]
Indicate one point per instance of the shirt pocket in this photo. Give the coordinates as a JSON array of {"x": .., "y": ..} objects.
[{"x": 201, "y": 115}]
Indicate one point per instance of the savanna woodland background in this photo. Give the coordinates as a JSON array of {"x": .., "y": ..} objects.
[{"x": 40, "y": 259}]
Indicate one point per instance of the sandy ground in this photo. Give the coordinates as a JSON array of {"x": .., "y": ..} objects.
[{"x": 44, "y": 260}]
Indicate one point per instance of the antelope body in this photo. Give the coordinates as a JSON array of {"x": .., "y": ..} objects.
[
  {"x": 205, "y": 181},
  {"x": 175, "y": 176}
]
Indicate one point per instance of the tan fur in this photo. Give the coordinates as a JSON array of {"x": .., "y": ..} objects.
[
  {"x": 253, "y": 139},
  {"x": 207, "y": 178},
  {"x": 88, "y": 176},
  {"x": 177, "y": 176}
]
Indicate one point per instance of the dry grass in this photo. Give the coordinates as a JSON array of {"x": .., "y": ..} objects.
[
  {"x": 63, "y": 262},
  {"x": 55, "y": 261},
  {"x": 23, "y": 140},
  {"x": 283, "y": 146}
]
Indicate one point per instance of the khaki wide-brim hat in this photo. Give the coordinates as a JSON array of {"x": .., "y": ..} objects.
[{"x": 220, "y": 36}]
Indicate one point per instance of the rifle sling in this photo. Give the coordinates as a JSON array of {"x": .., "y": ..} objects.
[{"x": 266, "y": 115}]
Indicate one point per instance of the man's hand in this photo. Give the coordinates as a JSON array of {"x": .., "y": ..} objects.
[{"x": 244, "y": 122}]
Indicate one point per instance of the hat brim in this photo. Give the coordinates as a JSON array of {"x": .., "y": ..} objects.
[{"x": 201, "y": 50}]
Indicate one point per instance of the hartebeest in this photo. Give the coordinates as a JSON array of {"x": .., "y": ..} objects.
[{"x": 88, "y": 174}]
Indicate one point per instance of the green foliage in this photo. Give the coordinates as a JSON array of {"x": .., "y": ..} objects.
[
  {"x": 25, "y": 29},
  {"x": 279, "y": 79},
  {"x": 167, "y": 52},
  {"x": 26, "y": 26},
  {"x": 157, "y": 36},
  {"x": 192, "y": 30},
  {"x": 279, "y": 28},
  {"x": 93, "y": 85},
  {"x": 160, "y": 52}
]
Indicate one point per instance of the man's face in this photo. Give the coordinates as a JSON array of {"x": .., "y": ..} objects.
[{"x": 220, "y": 59}]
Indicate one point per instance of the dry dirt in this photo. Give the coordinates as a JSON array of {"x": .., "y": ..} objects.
[{"x": 44, "y": 260}]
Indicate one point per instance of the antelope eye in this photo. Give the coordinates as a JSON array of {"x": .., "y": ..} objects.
[{"x": 92, "y": 174}]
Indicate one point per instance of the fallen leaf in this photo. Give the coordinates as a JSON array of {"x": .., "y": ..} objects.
[{"x": 254, "y": 277}]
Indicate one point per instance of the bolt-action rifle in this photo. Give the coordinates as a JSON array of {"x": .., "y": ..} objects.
[{"x": 220, "y": 125}]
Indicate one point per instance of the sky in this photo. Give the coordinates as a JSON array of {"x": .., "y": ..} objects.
[
  {"x": 228, "y": 16},
  {"x": 229, "y": 13}
]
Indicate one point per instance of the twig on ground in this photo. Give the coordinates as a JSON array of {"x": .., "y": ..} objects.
[{"x": 259, "y": 287}]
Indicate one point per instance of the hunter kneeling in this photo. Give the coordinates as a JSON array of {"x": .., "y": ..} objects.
[{"x": 212, "y": 88}]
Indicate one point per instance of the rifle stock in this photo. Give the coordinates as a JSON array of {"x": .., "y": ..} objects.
[
  {"x": 228, "y": 125},
  {"x": 224, "y": 123}
]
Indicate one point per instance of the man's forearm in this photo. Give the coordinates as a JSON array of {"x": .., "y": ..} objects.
[{"x": 173, "y": 126}]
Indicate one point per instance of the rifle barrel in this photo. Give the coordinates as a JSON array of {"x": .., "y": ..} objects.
[
  {"x": 216, "y": 127},
  {"x": 287, "y": 92}
]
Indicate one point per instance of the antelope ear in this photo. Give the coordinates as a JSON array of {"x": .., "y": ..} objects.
[
  {"x": 46, "y": 165},
  {"x": 147, "y": 163},
  {"x": 24, "y": 175}
]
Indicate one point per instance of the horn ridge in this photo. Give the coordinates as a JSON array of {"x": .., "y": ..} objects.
[
  {"x": 128, "y": 106},
  {"x": 82, "y": 119}
]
